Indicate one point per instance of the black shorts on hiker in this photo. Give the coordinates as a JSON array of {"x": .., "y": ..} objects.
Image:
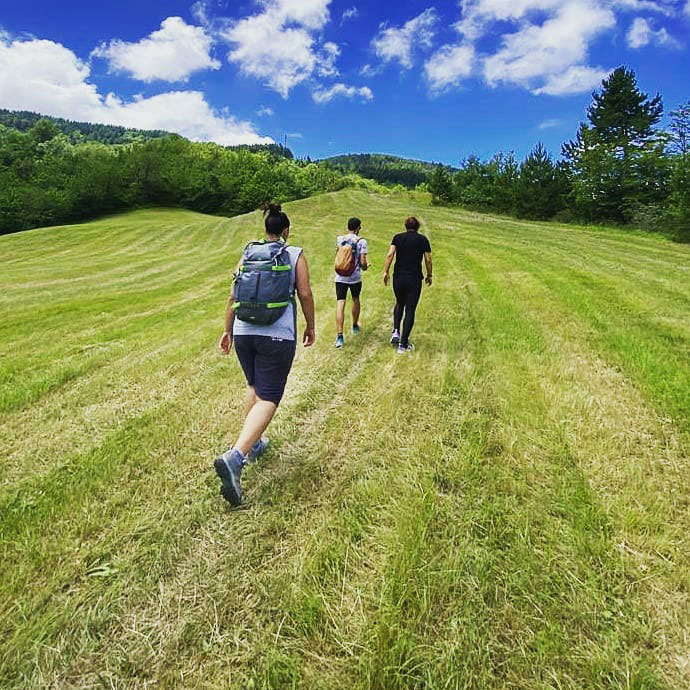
[
  {"x": 341, "y": 290},
  {"x": 266, "y": 363}
]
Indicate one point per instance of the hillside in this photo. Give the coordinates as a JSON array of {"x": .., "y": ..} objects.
[
  {"x": 507, "y": 507},
  {"x": 23, "y": 120},
  {"x": 77, "y": 132},
  {"x": 385, "y": 168}
]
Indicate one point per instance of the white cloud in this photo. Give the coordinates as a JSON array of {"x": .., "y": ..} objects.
[
  {"x": 478, "y": 13},
  {"x": 665, "y": 8},
  {"x": 172, "y": 53},
  {"x": 186, "y": 113},
  {"x": 312, "y": 14},
  {"x": 550, "y": 123},
  {"x": 45, "y": 77},
  {"x": 369, "y": 71},
  {"x": 350, "y": 13},
  {"x": 641, "y": 34},
  {"x": 687, "y": 8},
  {"x": 326, "y": 95},
  {"x": 329, "y": 54},
  {"x": 277, "y": 45},
  {"x": 546, "y": 51},
  {"x": 399, "y": 43},
  {"x": 199, "y": 10},
  {"x": 553, "y": 52},
  {"x": 576, "y": 79},
  {"x": 449, "y": 66},
  {"x": 265, "y": 111}
]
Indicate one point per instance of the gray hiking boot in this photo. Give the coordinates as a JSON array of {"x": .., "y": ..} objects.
[
  {"x": 229, "y": 468},
  {"x": 258, "y": 449}
]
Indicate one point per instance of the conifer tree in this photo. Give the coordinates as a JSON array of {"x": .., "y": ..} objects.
[
  {"x": 538, "y": 194},
  {"x": 617, "y": 162},
  {"x": 680, "y": 129},
  {"x": 440, "y": 186},
  {"x": 679, "y": 200}
]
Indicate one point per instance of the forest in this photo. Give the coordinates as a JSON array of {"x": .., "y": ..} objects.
[
  {"x": 386, "y": 169},
  {"x": 620, "y": 169},
  {"x": 78, "y": 132},
  {"x": 47, "y": 179}
]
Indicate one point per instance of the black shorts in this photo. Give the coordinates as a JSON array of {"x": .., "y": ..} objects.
[
  {"x": 266, "y": 363},
  {"x": 341, "y": 290}
]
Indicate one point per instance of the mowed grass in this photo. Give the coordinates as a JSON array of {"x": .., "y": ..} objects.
[{"x": 507, "y": 507}]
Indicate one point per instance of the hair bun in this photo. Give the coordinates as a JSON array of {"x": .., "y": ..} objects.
[
  {"x": 271, "y": 209},
  {"x": 275, "y": 220}
]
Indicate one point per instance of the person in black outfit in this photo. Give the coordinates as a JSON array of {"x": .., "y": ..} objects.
[{"x": 407, "y": 248}]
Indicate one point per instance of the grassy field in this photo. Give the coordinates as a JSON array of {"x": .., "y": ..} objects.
[{"x": 507, "y": 507}]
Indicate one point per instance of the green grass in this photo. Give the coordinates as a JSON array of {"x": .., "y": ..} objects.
[{"x": 508, "y": 507}]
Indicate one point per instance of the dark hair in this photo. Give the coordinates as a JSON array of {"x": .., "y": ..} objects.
[
  {"x": 275, "y": 220},
  {"x": 354, "y": 224},
  {"x": 412, "y": 223}
]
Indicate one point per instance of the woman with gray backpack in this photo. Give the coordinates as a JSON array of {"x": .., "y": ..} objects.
[{"x": 261, "y": 323}]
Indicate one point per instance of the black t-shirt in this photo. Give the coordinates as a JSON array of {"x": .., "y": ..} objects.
[{"x": 410, "y": 247}]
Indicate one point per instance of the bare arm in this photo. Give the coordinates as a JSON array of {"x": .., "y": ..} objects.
[
  {"x": 306, "y": 299},
  {"x": 364, "y": 264},
  {"x": 225, "y": 343},
  {"x": 387, "y": 263},
  {"x": 427, "y": 262}
]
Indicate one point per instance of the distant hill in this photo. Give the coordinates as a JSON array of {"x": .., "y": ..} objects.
[
  {"x": 79, "y": 131},
  {"x": 385, "y": 168},
  {"x": 24, "y": 120},
  {"x": 275, "y": 149}
]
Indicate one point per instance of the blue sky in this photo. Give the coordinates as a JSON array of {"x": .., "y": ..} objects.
[{"x": 429, "y": 80}]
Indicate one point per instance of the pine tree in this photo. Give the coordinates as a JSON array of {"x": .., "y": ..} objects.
[
  {"x": 506, "y": 182},
  {"x": 440, "y": 186},
  {"x": 538, "y": 189},
  {"x": 621, "y": 115},
  {"x": 617, "y": 162},
  {"x": 679, "y": 200},
  {"x": 680, "y": 129}
]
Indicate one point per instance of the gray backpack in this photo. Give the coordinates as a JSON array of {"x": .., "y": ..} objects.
[{"x": 263, "y": 286}]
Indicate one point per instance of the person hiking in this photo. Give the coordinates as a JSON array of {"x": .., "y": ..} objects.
[
  {"x": 350, "y": 261},
  {"x": 261, "y": 323},
  {"x": 407, "y": 248}
]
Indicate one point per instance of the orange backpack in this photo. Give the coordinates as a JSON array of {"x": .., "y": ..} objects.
[{"x": 346, "y": 257}]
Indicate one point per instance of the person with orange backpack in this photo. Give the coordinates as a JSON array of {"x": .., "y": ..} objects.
[{"x": 350, "y": 261}]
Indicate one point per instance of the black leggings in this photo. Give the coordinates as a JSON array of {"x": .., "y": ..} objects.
[{"x": 407, "y": 291}]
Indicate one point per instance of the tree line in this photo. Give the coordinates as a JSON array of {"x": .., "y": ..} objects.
[
  {"x": 386, "y": 169},
  {"x": 46, "y": 179},
  {"x": 78, "y": 132},
  {"x": 620, "y": 168}
]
